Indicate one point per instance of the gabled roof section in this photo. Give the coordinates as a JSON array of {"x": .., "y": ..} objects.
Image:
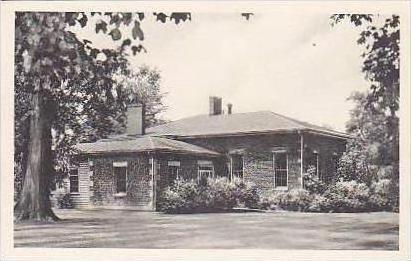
[
  {"x": 238, "y": 124},
  {"x": 124, "y": 143}
]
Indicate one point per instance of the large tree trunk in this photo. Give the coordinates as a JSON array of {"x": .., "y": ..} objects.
[{"x": 34, "y": 202}]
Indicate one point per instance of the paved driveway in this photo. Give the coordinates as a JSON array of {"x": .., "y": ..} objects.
[{"x": 281, "y": 230}]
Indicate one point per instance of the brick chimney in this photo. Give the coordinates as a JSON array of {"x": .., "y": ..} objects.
[
  {"x": 135, "y": 119},
  {"x": 229, "y": 108},
  {"x": 216, "y": 105}
]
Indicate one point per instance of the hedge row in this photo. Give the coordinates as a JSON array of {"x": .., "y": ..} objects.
[
  {"x": 208, "y": 195},
  {"x": 214, "y": 195}
]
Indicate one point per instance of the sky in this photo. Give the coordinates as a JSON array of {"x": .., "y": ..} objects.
[{"x": 296, "y": 65}]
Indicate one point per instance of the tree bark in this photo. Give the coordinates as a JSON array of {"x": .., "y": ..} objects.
[{"x": 34, "y": 202}]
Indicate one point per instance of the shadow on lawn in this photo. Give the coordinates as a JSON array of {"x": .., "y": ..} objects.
[{"x": 217, "y": 211}]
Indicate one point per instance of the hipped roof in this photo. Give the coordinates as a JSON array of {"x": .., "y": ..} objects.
[
  {"x": 238, "y": 124},
  {"x": 126, "y": 144}
]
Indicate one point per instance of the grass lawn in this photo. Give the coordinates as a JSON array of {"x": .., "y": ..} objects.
[{"x": 280, "y": 230}]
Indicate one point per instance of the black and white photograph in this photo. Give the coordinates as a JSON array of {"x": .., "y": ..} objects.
[{"x": 205, "y": 126}]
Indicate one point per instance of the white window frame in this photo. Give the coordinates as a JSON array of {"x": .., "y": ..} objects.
[
  {"x": 274, "y": 169},
  {"x": 317, "y": 163},
  {"x": 120, "y": 164},
  {"x": 232, "y": 165},
  {"x": 204, "y": 163},
  {"x": 78, "y": 181},
  {"x": 175, "y": 163}
]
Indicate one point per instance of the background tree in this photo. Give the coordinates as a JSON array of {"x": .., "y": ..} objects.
[
  {"x": 374, "y": 120},
  {"x": 63, "y": 82}
]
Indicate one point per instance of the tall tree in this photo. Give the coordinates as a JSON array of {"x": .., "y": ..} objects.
[
  {"x": 375, "y": 119},
  {"x": 61, "y": 78}
]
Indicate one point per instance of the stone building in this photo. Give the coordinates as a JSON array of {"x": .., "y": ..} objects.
[{"x": 268, "y": 149}]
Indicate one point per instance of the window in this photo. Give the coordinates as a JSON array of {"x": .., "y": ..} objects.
[
  {"x": 280, "y": 169},
  {"x": 205, "y": 169},
  {"x": 173, "y": 170},
  {"x": 73, "y": 181},
  {"x": 312, "y": 162},
  {"x": 237, "y": 165},
  {"x": 120, "y": 174}
]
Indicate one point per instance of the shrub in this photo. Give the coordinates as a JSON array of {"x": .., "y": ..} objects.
[
  {"x": 356, "y": 163},
  {"x": 216, "y": 194},
  {"x": 246, "y": 194},
  {"x": 343, "y": 196},
  {"x": 180, "y": 198},
  {"x": 348, "y": 196},
  {"x": 208, "y": 195},
  {"x": 65, "y": 201},
  {"x": 312, "y": 183},
  {"x": 379, "y": 198},
  {"x": 320, "y": 203},
  {"x": 294, "y": 200}
]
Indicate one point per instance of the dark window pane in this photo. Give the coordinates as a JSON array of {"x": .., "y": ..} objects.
[
  {"x": 280, "y": 169},
  {"x": 73, "y": 180},
  {"x": 120, "y": 174},
  {"x": 280, "y": 160},
  {"x": 281, "y": 178},
  {"x": 172, "y": 173},
  {"x": 237, "y": 166}
]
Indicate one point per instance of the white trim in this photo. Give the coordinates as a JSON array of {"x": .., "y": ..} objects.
[
  {"x": 153, "y": 183},
  {"x": 78, "y": 180},
  {"x": 120, "y": 164},
  {"x": 232, "y": 165},
  {"x": 204, "y": 162},
  {"x": 231, "y": 168},
  {"x": 287, "y": 167},
  {"x": 279, "y": 149},
  {"x": 317, "y": 167},
  {"x": 174, "y": 163},
  {"x": 302, "y": 159}
]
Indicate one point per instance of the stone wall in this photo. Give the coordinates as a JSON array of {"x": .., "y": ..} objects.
[
  {"x": 257, "y": 151},
  {"x": 139, "y": 181},
  {"x": 139, "y": 178},
  {"x": 188, "y": 170}
]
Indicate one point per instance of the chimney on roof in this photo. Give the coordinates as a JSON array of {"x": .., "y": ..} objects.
[
  {"x": 135, "y": 119},
  {"x": 229, "y": 108},
  {"x": 216, "y": 105}
]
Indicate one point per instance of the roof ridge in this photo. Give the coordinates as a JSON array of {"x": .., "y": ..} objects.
[
  {"x": 307, "y": 124},
  {"x": 263, "y": 120},
  {"x": 204, "y": 115},
  {"x": 290, "y": 119}
]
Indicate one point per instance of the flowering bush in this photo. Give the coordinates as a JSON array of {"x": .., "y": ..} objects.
[
  {"x": 343, "y": 196},
  {"x": 348, "y": 196},
  {"x": 216, "y": 194},
  {"x": 180, "y": 198},
  {"x": 320, "y": 203},
  {"x": 294, "y": 200},
  {"x": 312, "y": 183},
  {"x": 379, "y": 198},
  {"x": 208, "y": 195},
  {"x": 246, "y": 194}
]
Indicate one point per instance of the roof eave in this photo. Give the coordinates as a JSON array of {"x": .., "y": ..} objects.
[
  {"x": 182, "y": 152},
  {"x": 288, "y": 131},
  {"x": 342, "y": 136},
  {"x": 218, "y": 135}
]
